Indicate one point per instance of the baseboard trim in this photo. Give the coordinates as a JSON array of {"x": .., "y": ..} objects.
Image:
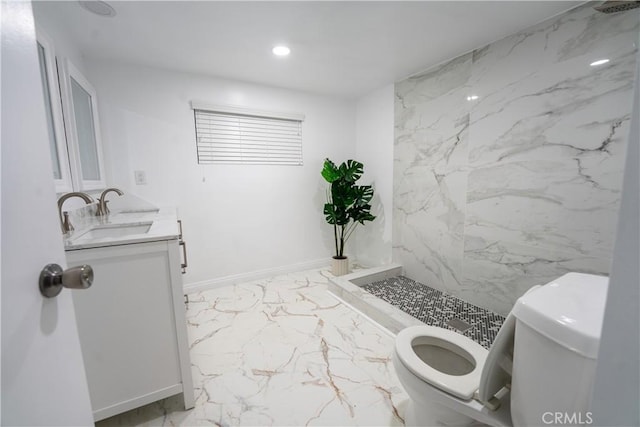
[{"x": 254, "y": 275}]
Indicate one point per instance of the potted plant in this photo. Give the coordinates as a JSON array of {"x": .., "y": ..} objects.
[{"x": 347, "y": 206}]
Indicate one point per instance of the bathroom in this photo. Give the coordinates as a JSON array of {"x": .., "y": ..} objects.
[{"x": 477, "y": 225}]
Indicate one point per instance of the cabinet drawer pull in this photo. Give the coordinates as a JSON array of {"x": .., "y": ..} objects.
[
  {"x": 180, "y": 225},
  {"x": 184, "y": 253}
]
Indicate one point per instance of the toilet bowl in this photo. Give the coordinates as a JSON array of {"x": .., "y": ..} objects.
[
  {"x": 441, "y": 371},
  {"x": 453, "y": 381}
]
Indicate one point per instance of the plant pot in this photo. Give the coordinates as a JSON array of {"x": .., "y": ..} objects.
[{"x": 339, "y": 266}]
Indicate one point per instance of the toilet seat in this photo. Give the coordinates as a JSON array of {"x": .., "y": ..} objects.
[
  {"x": 461, "y": 386},
  {"x": 492, "y": 369}
]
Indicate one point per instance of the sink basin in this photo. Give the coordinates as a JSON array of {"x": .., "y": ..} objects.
[{"x": 115, "y": 230}]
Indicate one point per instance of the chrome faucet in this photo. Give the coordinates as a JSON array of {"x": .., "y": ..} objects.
[
  {"x": 102, "y": 202},
  {"x": 66, "y": 224}
]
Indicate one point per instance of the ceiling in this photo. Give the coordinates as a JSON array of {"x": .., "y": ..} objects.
[{"x": 344, "y": 49}]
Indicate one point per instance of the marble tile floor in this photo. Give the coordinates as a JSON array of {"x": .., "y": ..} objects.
[{"x": 282, "y": 352}]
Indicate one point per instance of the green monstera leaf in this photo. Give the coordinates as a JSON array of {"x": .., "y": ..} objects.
[
  {"x": 363, "y": 194},
  {"x": 330, "y": 171},
  {"x": 351, "y": 171},
  {"x": 335, "y": 215}
]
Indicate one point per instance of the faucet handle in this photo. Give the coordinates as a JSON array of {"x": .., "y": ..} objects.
[
  {"x": 102, "y": 209},
  {"x": 66, "y": 224}
]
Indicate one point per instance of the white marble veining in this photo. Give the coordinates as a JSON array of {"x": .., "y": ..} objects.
[
  {"x": 521, "y": 185},
  {"x": 163, "y": 226},
  {"x": 282, "y": 351}
]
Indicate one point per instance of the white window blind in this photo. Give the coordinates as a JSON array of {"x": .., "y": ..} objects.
[{"x": 245, "y": 137}]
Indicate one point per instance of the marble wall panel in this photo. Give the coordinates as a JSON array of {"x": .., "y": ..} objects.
[
  {"x": 533, "y": 189},
  {"x": 430, "y": 175}
]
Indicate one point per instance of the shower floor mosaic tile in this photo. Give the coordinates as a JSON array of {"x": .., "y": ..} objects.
[
  {"x": 281, "y": 352},
  {"x": 437, "y": 308}
]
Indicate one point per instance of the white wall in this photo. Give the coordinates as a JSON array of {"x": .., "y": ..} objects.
[
  {"x": 617, "y": 387},
  {"x": 64, "y": 46},
  {"x": 238, "y": 220},
  {"x": 374, "y": 148}
]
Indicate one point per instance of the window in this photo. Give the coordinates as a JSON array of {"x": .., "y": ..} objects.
[
  {"x": 72, "y": 120},
  {"x": 228, "y": 135}
]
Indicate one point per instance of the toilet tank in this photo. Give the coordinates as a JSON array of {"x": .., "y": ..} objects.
[{"x": 557, "y": 336}]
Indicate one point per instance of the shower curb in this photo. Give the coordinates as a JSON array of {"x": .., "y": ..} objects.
[{"x": 348, "y": 288}]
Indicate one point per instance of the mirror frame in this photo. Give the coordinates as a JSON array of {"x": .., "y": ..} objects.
[
  {"x": 67, "y": 71},
  {"x": 65, "y": 183}
]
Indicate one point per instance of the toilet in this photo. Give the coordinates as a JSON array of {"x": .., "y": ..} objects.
[{"x": 542, "y": 362}]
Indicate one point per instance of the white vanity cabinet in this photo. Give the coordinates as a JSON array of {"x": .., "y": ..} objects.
[{"x": 132, "y": 326}]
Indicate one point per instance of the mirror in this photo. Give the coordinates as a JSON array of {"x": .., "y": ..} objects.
[
  {"x": 72, "y": 121},
  {"x": 80, "y": 112},
  {"x": 53, "y": 112}
]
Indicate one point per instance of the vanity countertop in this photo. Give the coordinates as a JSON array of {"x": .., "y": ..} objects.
[{"x": 162, "y": 225}]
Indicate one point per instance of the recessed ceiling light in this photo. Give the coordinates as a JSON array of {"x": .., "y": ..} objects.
[
  {"x": 599, "y": 62},
  {"x": 281, "y": 51},
  {"x": 472, "y": 97},
  {"x": 98, "y": 7}
]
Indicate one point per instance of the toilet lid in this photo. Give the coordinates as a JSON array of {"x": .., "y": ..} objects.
[
  {"x": 498, "y": 366},
  {"x": 497, "y": 369}
]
